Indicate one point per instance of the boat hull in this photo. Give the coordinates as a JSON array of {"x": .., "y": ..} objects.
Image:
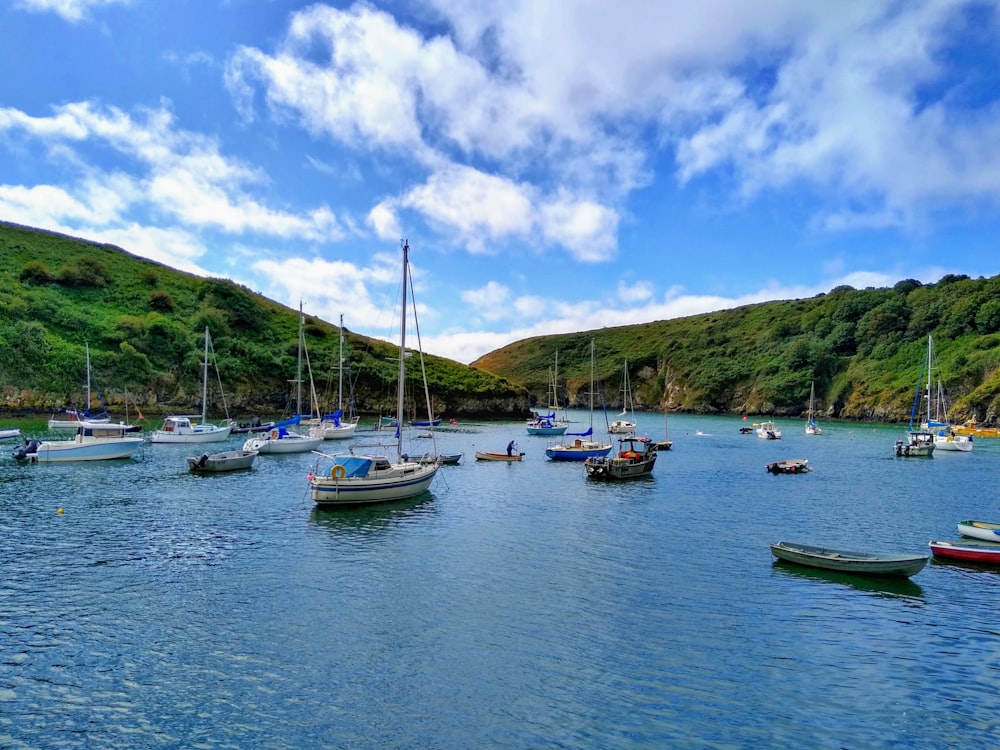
[
  {"x": 550, "y": 430},
  {"x": 989, "y": 532},
  {"x": 845, "y": 561},
  {"x": 213, "y": 463},
  {"x": 194, "y": 435},
  {"x": 789, "y": 466},
  {"x": 970, "y": 550},
  {"x": 284, "y": 444},
  {"x": 377, "y": 487},
  {"x": 486, "y": 456},
  {"x": 98, "y": 450},
  {"x": 953, "y": 443}
]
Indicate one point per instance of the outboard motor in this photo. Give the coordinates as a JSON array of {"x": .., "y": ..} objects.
[{"x": 26, "y": 451}]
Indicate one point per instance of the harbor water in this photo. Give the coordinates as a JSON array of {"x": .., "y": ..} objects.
[{"x": 512, "y": 606}]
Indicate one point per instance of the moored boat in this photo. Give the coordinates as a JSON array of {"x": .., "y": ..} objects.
[
  {"x": 210, "y": 463},
  {"x": 447, "y": 459},
  {"x": 846, "y": 561},
  {"x": 768, "y": 430},
  {"x": 636, "y": 458},
  {"x": 967, "y": 550},
  {"x": 916, "y": 444},
  {"x": 9, "y": 433},
  {"x": 789, "y": 466},
  {"x": 984, "y": 530},
  {"x": 487, "y": 456},
  {"x": 93, "y": 442}
]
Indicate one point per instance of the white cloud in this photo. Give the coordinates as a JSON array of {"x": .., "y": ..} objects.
[{"x": 70, "y": 10}]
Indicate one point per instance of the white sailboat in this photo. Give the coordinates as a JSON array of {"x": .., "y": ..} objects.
[
  {"x": 919, "y": 441},
  {"x": 335, "y": 426},
  {"x": 626, "y": 423},
  {"x": 551, "y": 423},
  {"x": 945, "y": 438},
  {"x": 811, "y": 427},
  {"x": 181, "y": 428},
  {"x": 280, "y": 439},
  {"x": 351, "y": 479},
  {"x": 73, "y": 417}
]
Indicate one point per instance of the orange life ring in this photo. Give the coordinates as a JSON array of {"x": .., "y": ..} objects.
[{"x": 338, "y": 472}]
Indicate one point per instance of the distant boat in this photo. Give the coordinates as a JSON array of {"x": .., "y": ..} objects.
[
  {"x": 917, "y": 443},
  {"x": 336, "y": 426},
  {"x": 10, "y": 433},
  {"x": 811, "y": 427},
  {"x": 768, "y": 431},
  {"x": 626, "y": 422},
  {"x": 73, "y": 417},
  {"x": 180, "y": 429},
  {"x": 445, "y": 459},
  {"x": 487, "y": 456},
  {"x": 550, "y": 424},
  {"x": 580, "y": 449},
  {"x": 845, "y": 561},
  {"x": 789, "y": 466},
  {"x": 945, "y": 437},
  {"x": 213, "y": 463}
]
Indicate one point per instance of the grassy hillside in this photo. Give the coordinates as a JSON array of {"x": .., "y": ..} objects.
[
  {"x": 144, "y": 325},
  {"x": 863, "y": 348}
]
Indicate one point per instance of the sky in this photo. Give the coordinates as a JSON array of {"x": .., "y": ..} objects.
[{"x": 554, "y": 166}]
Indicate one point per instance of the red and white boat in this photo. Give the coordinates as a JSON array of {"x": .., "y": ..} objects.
[{"x": 967, "y": 550}]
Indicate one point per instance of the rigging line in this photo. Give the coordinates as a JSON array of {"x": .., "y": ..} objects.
[{"x": 423, "y": 369}]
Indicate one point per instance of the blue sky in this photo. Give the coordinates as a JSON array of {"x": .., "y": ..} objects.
[{"x": 556, "y": 166}]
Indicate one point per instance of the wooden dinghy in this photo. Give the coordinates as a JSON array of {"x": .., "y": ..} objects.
[
  {"x": 487, "y": 456},
  {"x": 846, "y": 561}
]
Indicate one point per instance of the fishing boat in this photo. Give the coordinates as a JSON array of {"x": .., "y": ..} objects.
[
  {"x": 71, "y": 417},
  {"x": 789, "y": 466},
  {"x": 582, "y": 446},
  {"x": 549, "y": 424},
  {"x": 846, "y": 561},
  {"x": 93, "y": 442},
  {"x": 636, "y": 458},
  {"x": 213, "y": 463},
  {"x": 967, "y": 550},
  {"x": 487, "y": 456},
  {"x": 181, "y": 428},
  {"x": 768, "y": 430},
  {"x": 358, "y": 479},
  {"x": 984, "y": 530},
  {"x": 625, "y": 424},
  {"x": 811, "y": 427}
]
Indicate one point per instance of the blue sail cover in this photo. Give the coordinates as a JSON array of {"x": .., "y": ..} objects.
[
  {"x": 588, "y": 433},
  {"x": 335, "y": 417}
]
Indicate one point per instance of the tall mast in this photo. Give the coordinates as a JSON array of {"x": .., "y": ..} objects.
[
  {"x": 204, "y": 382},
  {"x": 86, "y": 406},
  {"x": 340, "y": 369},
  {"x": 298, "y": 372},
  {"x": 591, "y": 383},
  {"x": 402, "y": 352}
]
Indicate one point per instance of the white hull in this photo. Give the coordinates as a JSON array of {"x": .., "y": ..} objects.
[
  {"x": 337, "y": 432},
  {"x": 812, "y": 429},
  {"x": 287, "y": 444},
  {"x": 398, "y": 482},
  {"x": 621, "y": 427},
  {"x": 768, "y": 431},
  {"x": 72, "y": 424},
  {"x": 961, "y": 443},
  {"x": 8, "y": 434},
  {"x": 989, "y": 532},
  {"x": 201, "y": 433},
  {"x": 96, "y": 449}
]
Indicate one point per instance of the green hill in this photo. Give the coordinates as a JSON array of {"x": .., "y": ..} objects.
[
  {"x": 144, "y": 324},
  {"x": 863, "y": 348}
]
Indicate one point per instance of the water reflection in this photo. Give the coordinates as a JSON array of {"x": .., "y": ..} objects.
[
  {"x": 888, "y": 586},
  {"x": 370, "y": 518}
]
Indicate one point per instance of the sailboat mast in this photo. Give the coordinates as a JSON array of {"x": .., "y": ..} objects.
[
  {"x": 298, "y": 371},
  {"x": 402, "y": 352},
  {"x": 340, "y": 369},
  {"x": 86, "y": 406},
  {"x": 204, "y": 382},
  {"x": 591, "y": 383},
  {"x": 930, "y": 378}
]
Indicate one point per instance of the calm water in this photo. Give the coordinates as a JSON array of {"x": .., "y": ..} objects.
[{"x": 513, "y": 606}]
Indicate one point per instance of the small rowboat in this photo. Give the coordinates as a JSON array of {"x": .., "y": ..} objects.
[
  {"x": 486, "y": 456},
  {"x": 989, "y": 532},
  {"x": 211, "y": 463},
  {"x": 790, "y": 466},
  {"x": 968, "y": 550},
  {"x": 865, "y": 563}
]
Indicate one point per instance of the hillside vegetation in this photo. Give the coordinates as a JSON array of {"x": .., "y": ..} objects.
[
  {"x": 863, "y": 348},
  {"x": 144, "y": 324}
]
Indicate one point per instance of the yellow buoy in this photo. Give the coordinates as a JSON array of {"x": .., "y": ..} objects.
[{"x": 59, "y": 511}]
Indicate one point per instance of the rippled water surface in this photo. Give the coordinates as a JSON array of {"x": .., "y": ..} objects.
[{"x": 511, "y": 606}]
